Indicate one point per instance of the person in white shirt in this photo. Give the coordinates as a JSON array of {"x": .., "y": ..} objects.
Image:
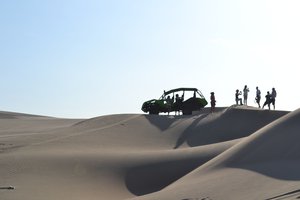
[
  {"x": 246, "y": 90},
  {"x": 273, "y": 97}
]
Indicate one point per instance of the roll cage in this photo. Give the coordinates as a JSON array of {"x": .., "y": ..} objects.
[{"x": 195, "y": 90}]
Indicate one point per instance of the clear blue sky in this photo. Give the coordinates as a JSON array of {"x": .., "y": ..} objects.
[{"x": 86, "y": 58}]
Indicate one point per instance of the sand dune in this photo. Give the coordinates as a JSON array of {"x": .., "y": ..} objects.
[{"x": 235, "y": 153}]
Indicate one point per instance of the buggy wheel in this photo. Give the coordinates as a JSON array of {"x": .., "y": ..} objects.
[
  {"x": 186, "y": 112},
  {"x": 154, "y": 110}
]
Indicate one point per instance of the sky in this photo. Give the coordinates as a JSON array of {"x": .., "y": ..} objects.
[{"x": 88, "y": 58}]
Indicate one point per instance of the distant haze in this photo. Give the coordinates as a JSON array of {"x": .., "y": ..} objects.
[{"x": 89, "y": 58}]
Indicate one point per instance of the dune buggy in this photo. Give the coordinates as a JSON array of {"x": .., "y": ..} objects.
[{"x": 185, "y": 100}]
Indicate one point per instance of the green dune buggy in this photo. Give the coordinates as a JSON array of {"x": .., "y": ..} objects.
[{"x": 185, "y": 100}]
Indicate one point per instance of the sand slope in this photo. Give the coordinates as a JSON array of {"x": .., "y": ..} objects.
[
  {"x": 230, "y": 154},
  {"x": 263, "y": 166}
]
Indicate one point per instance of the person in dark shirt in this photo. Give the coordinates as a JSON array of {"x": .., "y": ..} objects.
[
  {"x": 237, "y": 99},
  {"x": 257, "y": 98},
  {"x": 169, "y": 102},
  {"x": 273, "y": 97},
  {"x": 268, "y": 100}
]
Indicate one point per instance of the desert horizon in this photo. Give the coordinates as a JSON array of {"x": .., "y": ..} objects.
[{"x": 132, "y": 100}]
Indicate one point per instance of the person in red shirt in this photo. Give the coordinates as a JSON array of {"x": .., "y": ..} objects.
[{"x": 212, "y": 101}]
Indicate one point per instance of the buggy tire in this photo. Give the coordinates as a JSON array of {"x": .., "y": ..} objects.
[
  {"x": 186, "y": 112},
  {"x": 154, "y": 110}
]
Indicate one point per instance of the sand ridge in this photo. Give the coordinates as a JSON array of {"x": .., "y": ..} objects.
[{"x": 132, "y": 156}]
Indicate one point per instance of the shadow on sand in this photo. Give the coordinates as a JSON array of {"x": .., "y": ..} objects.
[
  {"x": 154, "y": 177},
  {"x": 163, "y": 122},
  {"x": 230, "y": 125},
  {"x": 189, "y": 131}
]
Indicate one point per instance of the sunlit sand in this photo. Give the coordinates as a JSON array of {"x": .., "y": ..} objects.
[{"x": 235, "y": 153}]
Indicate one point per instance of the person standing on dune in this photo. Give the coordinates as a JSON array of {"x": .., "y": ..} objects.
[
  {"x": 273, "y": 96},
  {"x": 212, "y": 102},
  {"x": 246, "y": 90},
  {"x": 258, "y": 96}
]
